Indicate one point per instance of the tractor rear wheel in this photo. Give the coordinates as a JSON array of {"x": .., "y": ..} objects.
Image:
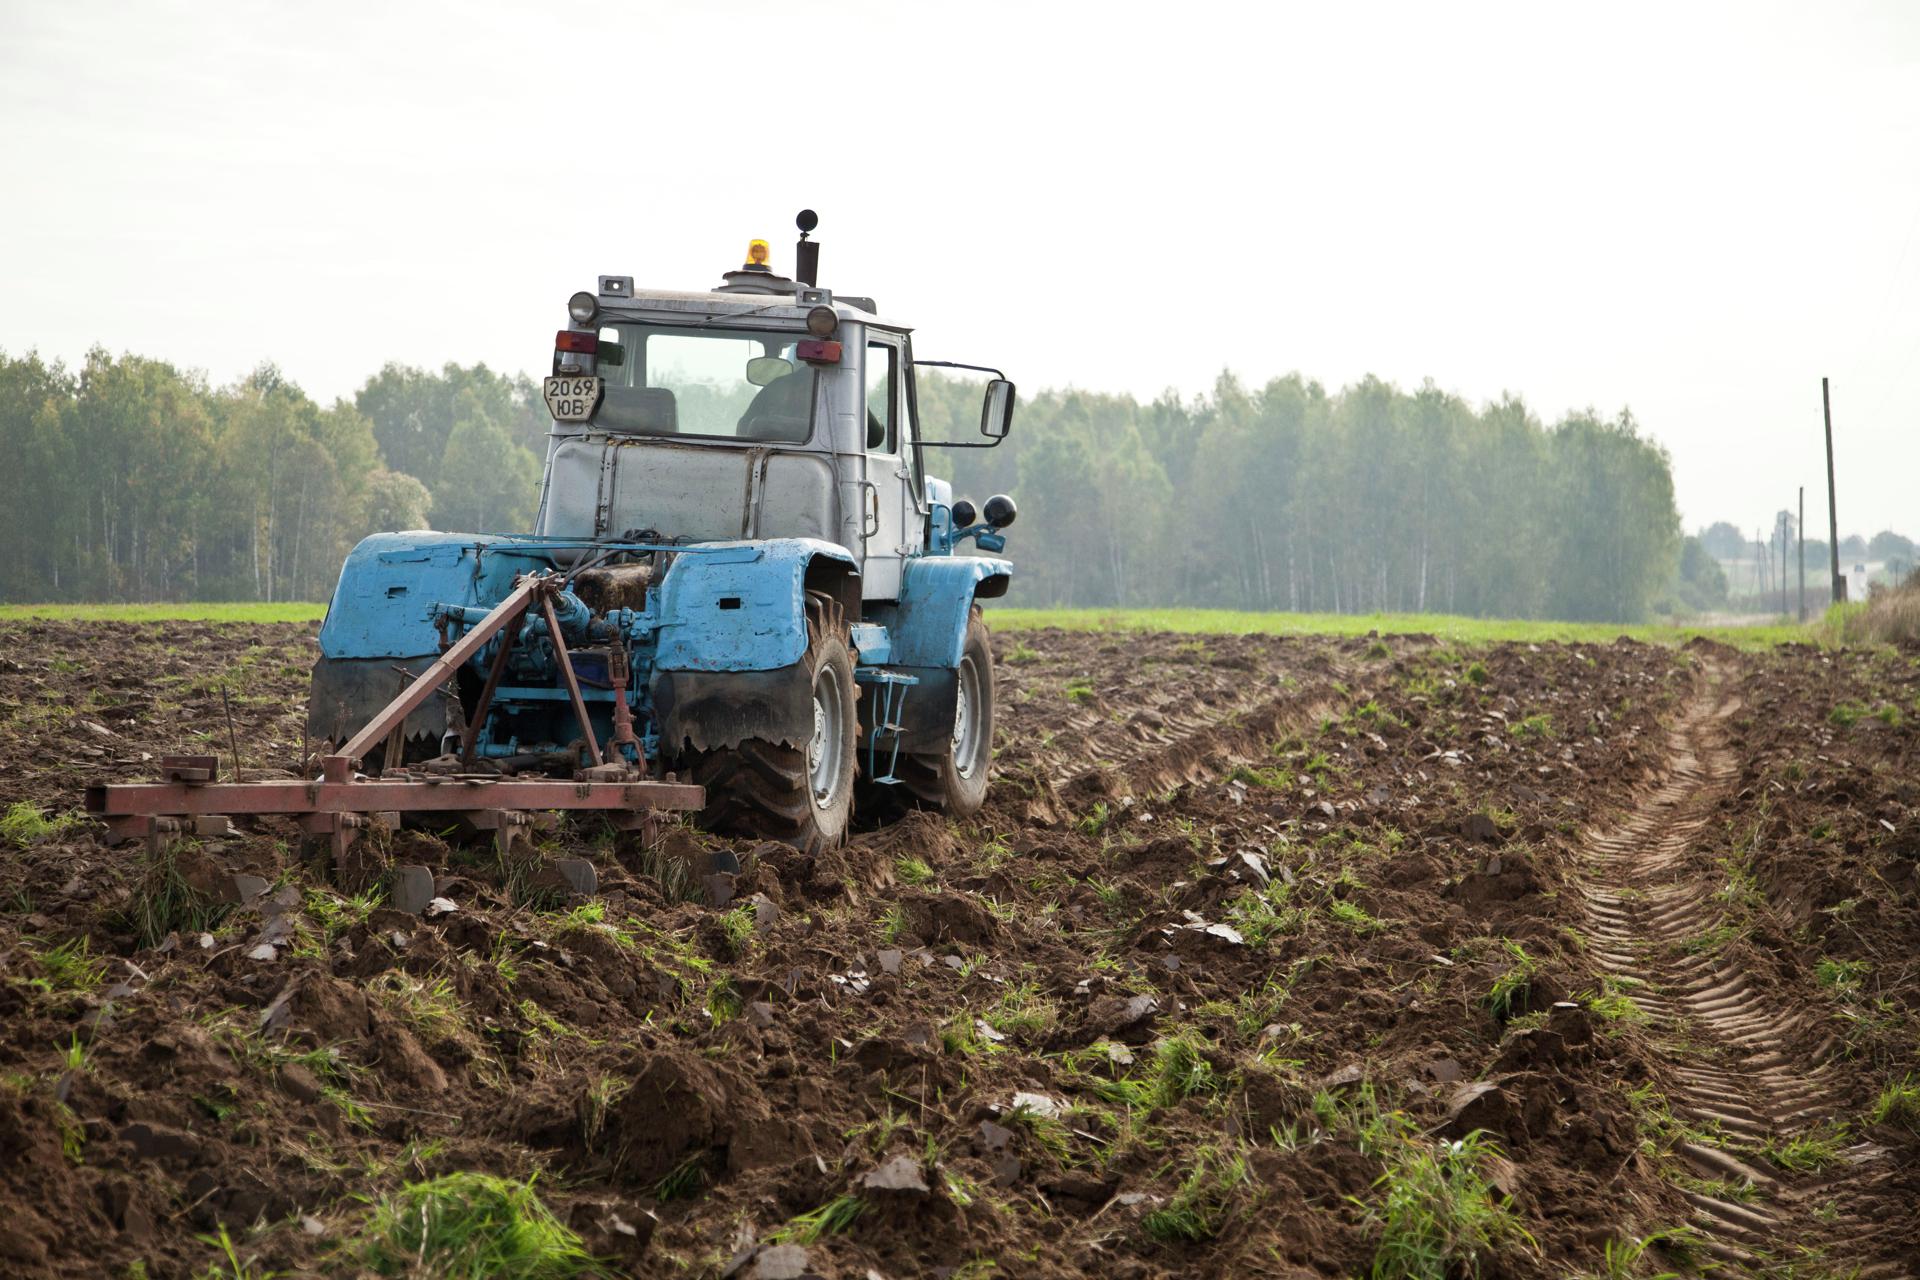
[
  {"x": 801, "y": 794},
  {"x": 956, "y": 780}
]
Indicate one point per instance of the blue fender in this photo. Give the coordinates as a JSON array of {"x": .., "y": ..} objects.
[
  {"x": 929, "y": 625},
  {"x": 390, "y": 582},
  {"x": 739, "y": 606}
]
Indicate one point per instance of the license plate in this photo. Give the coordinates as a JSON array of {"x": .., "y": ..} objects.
[{"x": 572, "y": 398}]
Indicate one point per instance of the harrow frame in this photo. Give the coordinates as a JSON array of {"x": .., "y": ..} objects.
[{"x": 341, "y": 804}]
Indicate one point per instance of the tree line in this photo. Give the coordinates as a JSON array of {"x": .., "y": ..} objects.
[
  {"x": 1291, "y": 496},
  {"x": 130, "y": 479}
]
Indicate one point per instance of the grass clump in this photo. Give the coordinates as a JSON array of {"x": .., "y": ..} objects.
[
  {"x": 830, "y": 1219},
  {"x": 231, "y": 1265},
  {"x": 1261, "y": 915},
  {"x": 1534, "y": 726},
  {"x": 1268, "y": 777},
  {"x": 1809, "y": 1152},
  {"x": 71, "y": 966},
  {"x": 737, "y": 928},
  {"x": 597, "y": 1101},
  {"x": 1354, "y": 916},
  {"x": 1181, "y": 1069},
  {"x": 1845, "y": 714},
  {"x": 1611, "y": 1003},
  {"x": 336, "y": 914},
  {"x": 429, "y": 1006},
  {"x": 1439, "y": 1212},
  {"x": 1513, "y": 986},
  {"x": 1898, "y": 1103},
  {"x": 1842, "y": 976},
  {"x": 1202, "y": 1205},
  {"x": 23, "y": 824},
  {"x": 1024, "y": 1011},
  {"x": 471, "y": 1226},
  {"x": 1080, "y": 689},
  {"x": 1625, "y": 1259},
  {"x": 683, "y": 1180},
  {"x": 165, "y": 903},
  {"x": 912, "y": 870}
]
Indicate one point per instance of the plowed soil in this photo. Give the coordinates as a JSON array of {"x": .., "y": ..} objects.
[{"x": 1268, "y": 957}]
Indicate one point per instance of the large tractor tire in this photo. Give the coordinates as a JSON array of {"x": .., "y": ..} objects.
[
  {"x": 956, "y": 781},
  {"x": 802, "y": 795}
]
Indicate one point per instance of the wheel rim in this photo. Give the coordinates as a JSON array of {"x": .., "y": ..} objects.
[
  {"x": 967, "y": 719},
  {"x": 826, "y": 751}
]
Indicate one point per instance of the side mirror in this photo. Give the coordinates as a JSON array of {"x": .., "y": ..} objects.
[
  {"x": 766, "y": 370},
  {"x": 611, "y": 354},
  {"x": 996, "y": 411}
]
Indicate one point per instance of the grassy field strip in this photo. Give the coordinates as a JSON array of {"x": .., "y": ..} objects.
[
  {"x": 1448, "y": 627},
  {"x": 1451, "y": 628},
  {"x": 293, "y": 611}
]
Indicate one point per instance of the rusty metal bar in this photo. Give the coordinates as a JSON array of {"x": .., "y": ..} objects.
[
  {"x": 384, "y": 795},
  {"x": 623, "y": 735},
  {"x": 338, "y": 766},
  {"x": 573, "y": 683}
]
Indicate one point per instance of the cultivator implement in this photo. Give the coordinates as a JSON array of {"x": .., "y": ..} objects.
[{"x": 342, "y": 804}]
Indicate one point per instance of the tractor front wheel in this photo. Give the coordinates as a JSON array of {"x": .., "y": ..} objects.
[
  {"x": 801, "y": 794},
  {"x": 956, "y": 780}
]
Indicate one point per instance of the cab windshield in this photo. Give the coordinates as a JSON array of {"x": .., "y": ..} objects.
[{"x": 699, "y": 381}]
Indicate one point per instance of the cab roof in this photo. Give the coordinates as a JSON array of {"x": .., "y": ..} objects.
[{"x": 783, "y": 300}]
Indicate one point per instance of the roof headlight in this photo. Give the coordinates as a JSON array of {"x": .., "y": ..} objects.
[
  {"x": 583, "y": 307},
  {"x": 821, "y": 322}
]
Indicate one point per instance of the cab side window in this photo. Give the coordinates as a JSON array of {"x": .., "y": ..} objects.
[{"x": 883, "y": 409}]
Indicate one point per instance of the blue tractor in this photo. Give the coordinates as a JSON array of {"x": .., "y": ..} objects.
[{"x": 741, "y": 575}]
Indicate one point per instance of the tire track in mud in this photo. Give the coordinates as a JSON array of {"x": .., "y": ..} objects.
[{"x": 1739, "y": 1076}]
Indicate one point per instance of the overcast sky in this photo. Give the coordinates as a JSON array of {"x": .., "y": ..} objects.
[{"x": 1691, "y": 210}]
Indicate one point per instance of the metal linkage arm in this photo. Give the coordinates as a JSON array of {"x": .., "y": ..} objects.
[{"x": 338, "y": 767}]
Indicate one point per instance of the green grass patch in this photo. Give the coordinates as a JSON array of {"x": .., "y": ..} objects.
[
  {"x": 830, "y": 1219},
  {"x": 1512, "y": 987},
  {"x": 1439, "y": 1212},
  {"x": 1181, "y": 1068},
  {"x": 23, "y": 824},
  {"x": 165, "y": 903},
  {"x": 1809, "y": 1152},
  {"x": 1898, "y": 1103},
  {"x": 71, "y": 966},
  {"x": 1448, "y": 627},
  {"x": 1202, "y": 1205},
  {"x": 202, "y": 611},
  {"x": 913, "y": 870},
  {"x": 231, "y": 1264},
  {"x": 1627, "y": 1259},
  {"x": 466, "y": 1226},
  {"x": 1842, "y": 976}
]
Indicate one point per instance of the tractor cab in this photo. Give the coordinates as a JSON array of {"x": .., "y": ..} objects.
[{"x": 765, "y": 408}]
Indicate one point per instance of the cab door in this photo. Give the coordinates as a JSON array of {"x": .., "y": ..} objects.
[{"x": 888, "y": 495}]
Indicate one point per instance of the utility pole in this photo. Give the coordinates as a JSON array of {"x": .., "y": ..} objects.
[
  {"x": 1803, "y": 553},
  {"x": 1833, "y": 513},
  {"x": 1783, "y": 564}
]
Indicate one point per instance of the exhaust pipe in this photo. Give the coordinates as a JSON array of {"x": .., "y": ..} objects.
[{"x": 806, "y": 254}]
